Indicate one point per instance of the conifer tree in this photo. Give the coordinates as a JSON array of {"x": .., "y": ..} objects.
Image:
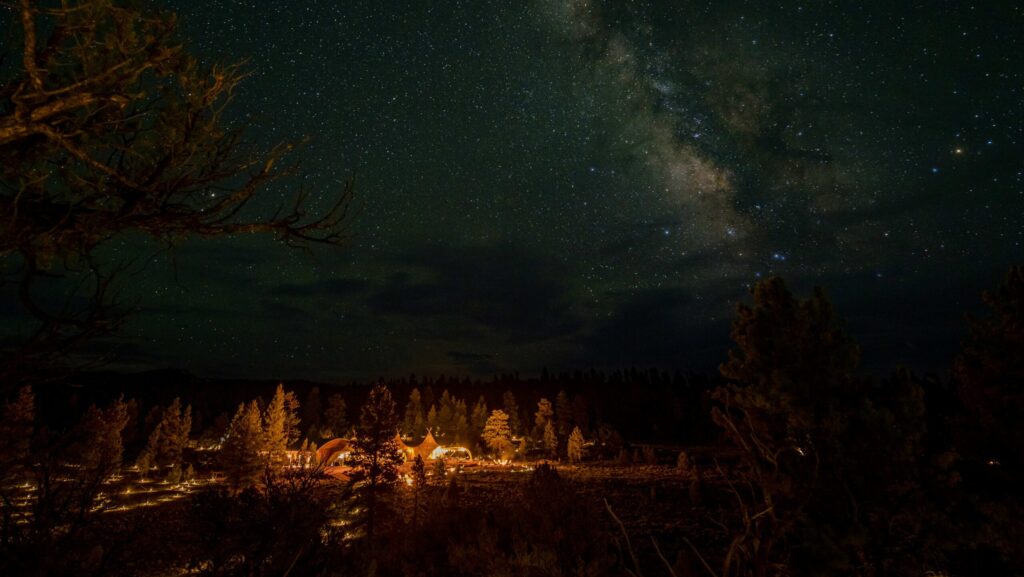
[
  {"x": 563, "y": 415},
  {"x": 312, "y": 414},
  {"x": 792, "y": 401},
  {"x": 542, "y": 417},
  {"x": 336, "y": 416},
  {"x": 292, "y": 421},
  {"x": 445, "y": 417},
  {"x": 280, "y": 426},
  {"x": 575, "y": 446},
  {"x": 580, "y": 416},
  {"x": 989, "y": 431},
  {"x": 427, "y": 398},
  {"x": 497, "y": 435},
  {"x": 240, "y": 455},
  {"x": 460, "y": 422},
  {"x": 550, "y": 440},
  {"x": 16, "y": 424},
  {"x": 508, "y": 402},
  {"x": 98, "y": 448},
  {"x": 376, "y": 455},
  {"x": 419, "y": 484},
  {"x": 989, "y": 375},
  {"x": 413, "y": 423},
  {"x": 169, "y": 437},
  {"x": 432, "y": 421},
  {"x": 478, "y": 420}
]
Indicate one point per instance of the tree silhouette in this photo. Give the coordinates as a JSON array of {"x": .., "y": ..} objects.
[
  {"x": 989, "y": 375},
  {"x": 563, "y": 414},
  {"x": 63, "y": 508},
  {"x": 419, "y": 484},
  {"x": 108, "y": 126},
  {"x": 16, "y": 423},
  {"x": 169, "y": 437},
  {"x": 478, "y": 421},
  {"x": 335, "y": 416},
  {"x": 792, "y": 377},
  {"x": 508, "y": 403},
  {"x": 810, "y": 429},
  {"x": 542, "y": 417},
  {"x": 312, "y": 414},
  {"x": 241, "y": 455},
  {"x": 376, "y": 455},
  {"x": 574, "y": 448},
  {"x": 497, "y": 435},
  {"x": 280, "y": 426},
  {"x": 413, "y": 423},
  {"x": 550, "y": 440},
  {"x": 989, "y": 434}
]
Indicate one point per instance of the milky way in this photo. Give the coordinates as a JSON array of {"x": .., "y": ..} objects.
[{"x": 583, "y": 183}]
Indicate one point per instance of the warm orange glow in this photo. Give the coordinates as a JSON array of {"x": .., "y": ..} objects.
[{"x": 442, "y": 452}]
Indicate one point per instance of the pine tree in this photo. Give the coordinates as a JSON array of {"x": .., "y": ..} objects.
[
  {"x": 497, "y": 435},
  {"x": 292, "y": 422},
  {"x": 542, "y": 417},
  {"x": 550, "y": 440},
  {"x": 312, "y": 414},
  {"x": 419, "y": 484},
  {"x": 790, "y": 405},
  {"x": 580, "y": 414},
  {"x": 240, "y": 454},
  {"x": 376, "y": 455},
  {"x": 508, "y": 402},
  {"x": 412, "y": 423},
  {"x": 460, "y": 422},
  {"x": 16, "y": 424},
  {"x": 794, "y": 365},
  {"x": 432, "y": 421},
  {"x": 445, "y": 417},
  {"x": 478, "y": 420},
  {"x": 989, "y": 375},
  {"x": 336, "y": 416},
  {"x": 98, "y": 447},
  {"x": 575, "y": 446},
  {"x": 169, "y": 437},
  {"x": 428, "y": 399},
  {"x": 280, "y": 426},
  {"x": 563, "y": 414}
]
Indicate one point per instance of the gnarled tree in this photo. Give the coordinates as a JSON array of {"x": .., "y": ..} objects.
[{"x": 107, "y": 127}]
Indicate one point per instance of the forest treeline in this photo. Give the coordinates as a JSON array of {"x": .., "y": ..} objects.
[
  {"x": 662, "y": 406},
  {"x": 837, "y": 473}
]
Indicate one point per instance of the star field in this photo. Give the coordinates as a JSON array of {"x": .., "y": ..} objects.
[{"x": 573, "y": 183}]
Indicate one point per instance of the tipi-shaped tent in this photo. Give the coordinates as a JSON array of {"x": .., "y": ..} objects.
[{"x": 426, "y": 448}]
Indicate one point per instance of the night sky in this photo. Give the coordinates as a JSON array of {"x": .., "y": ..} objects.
[{"x": 574, "y": 183}]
